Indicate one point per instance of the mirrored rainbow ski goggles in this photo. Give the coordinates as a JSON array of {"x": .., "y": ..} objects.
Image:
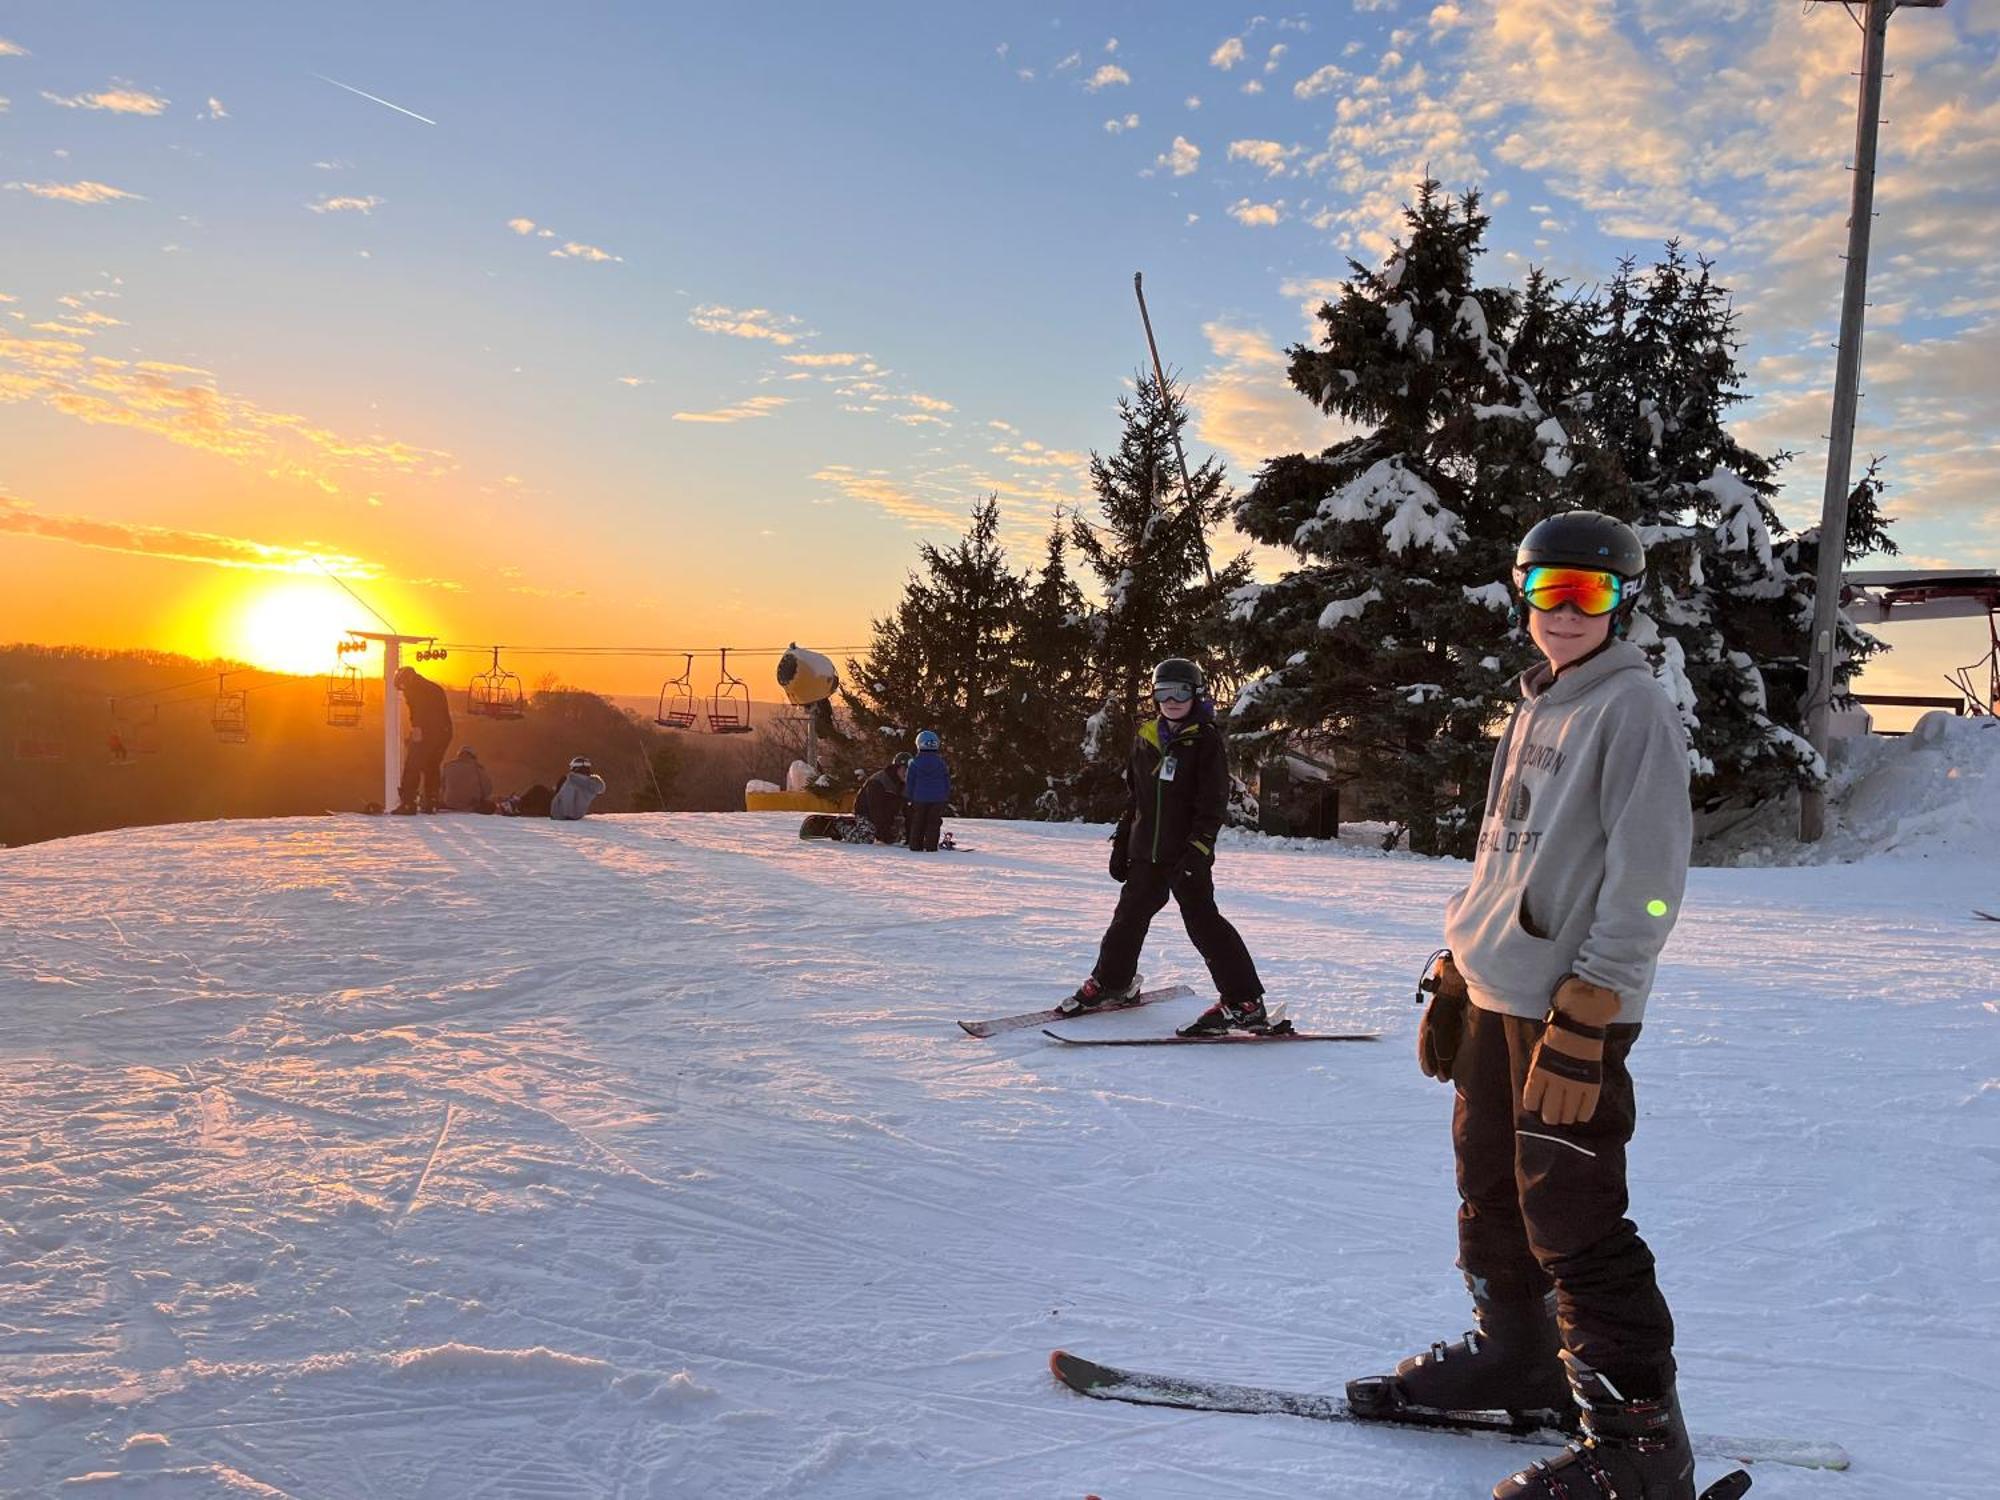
[
  {"x": 1591, "y": 590},
  {"x": 1172, "y": 692}
]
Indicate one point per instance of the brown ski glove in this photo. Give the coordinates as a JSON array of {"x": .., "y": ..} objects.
[
  {"x": 1566, "y": 1073},
  {"x": 1443, "y": 1025}
]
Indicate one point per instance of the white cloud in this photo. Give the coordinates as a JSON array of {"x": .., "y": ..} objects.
[
  {"x": 73, "y": 192},
  {"x": 1256, "y": 215},
  {"x": 634, "y": 380},
  {"x": 746, "y": 323},
  {"x": 1228, "y": 55},
  {"x": 521, "y": 226},
  {"x": 1182, "y": 158},
  {"x": 1111, "y": 44},
  {"x": 1107, "y": 75},
  {"x": 824, "y": 360},
  {"x": 1319, "y": 81},
  {"x": 1074, "y": 60},
  {"x": 1118, "y": 127},
  {"x": 1244, "y": 407},
  {"x": 1268, "y": 155},
  {"x": 1271, "y": 61},
  {"x": 927, "y": 403},
  {"x": 348, "y": 205},
  {"x": 121, "y": 100},
  {"x": 215, "y": 111},
  {"x": 12, "y": 49},
  {"x": 742, "y": 411},
  {"x": 1193, "y": 101},
  {"x": 573, "y": 250}
]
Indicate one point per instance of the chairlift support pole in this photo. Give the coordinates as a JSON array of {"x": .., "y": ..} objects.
[
  {"x": 1166, "y": 404},
  {"x": 392, "y": 706},
  {"x": 1823, "y": 655}
]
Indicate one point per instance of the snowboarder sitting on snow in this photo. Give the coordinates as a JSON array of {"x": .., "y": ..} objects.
[
  {"x": 878, "y": 806},
  {"x": 1577, "y": 881},
  {"x": 927, "y": 784},
  {"x": 424, "y": 746},
  {"x": 567, "y": 803},
  {"x": 466, "y": 785},
  {"x": 1177, "y": 785}
]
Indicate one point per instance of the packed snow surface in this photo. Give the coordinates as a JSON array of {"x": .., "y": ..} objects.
[{"x": 641, "y": 1157}]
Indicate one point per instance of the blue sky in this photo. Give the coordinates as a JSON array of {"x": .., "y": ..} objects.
[{"x": 681, "y": 325}]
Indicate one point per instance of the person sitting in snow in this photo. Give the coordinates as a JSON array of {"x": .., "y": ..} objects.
[
  {"x": 1177, "y": 791},
  {"x": 878, "y": 806},
  {"x": 1552, "y": 946},
  {"x": 465, "y": 784},
  {"x": 567, "y": 802},
  {"x": 927, "y": 783}
]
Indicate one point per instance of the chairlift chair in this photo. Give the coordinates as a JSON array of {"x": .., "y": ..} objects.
[
  {"x": 145, "y": 736},
  {"x": 679, "y": 708},
  {"x": 729, "y": 709},
  {"x": 344, "y": 698},
  {"x": 230, "y": 715},
  {"x": 496, "y": 693}
]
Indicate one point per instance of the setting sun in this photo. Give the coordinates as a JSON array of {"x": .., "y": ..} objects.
[{"x": 291, "y": 626}]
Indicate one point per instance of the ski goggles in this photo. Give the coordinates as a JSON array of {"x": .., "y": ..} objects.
[
  {"x": 1591, "y": 590},
  {"x": 1172, "y": 692}
]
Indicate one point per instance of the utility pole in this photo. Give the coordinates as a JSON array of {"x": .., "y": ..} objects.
[
  {"x": 1824, "y": 647},
  {"x": 1166, "y": 406}
]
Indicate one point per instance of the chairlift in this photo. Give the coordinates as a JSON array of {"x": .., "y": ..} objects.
[
  {"x": 496, "y": 693},
  {"x": 118, "y": 738},
  {"x": 343, "y": 698},
  {"x": 679, "y": 708},
  {"x": 144, "y": 738},
  {"x": 729, "y": 709},
  {"x": 230, "y": 715}
]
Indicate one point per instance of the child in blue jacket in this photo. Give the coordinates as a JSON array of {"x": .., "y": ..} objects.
[{"x": 927, "y": 785}]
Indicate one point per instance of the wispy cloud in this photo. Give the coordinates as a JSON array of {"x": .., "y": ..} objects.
[
  {"x": 73, "y": 192},
  {"x": 349, "y": 205},
  {"x": 119, "y": 100},
  {"x": 1182, "y": 158},
  {"x": 747, "y": 323},
  {"x": 575, "y": 250},
  {"x": 12, "y": 49},
  {"x": 1268, "y": 155},
  {"x": 816, "y": 361},
  {"x": 208, "y": 548},
  {"x": 1246, "y": 409},
  {"x": 742, "y": 411},
  {"x": 1320, "y": 81},
  {"x": 215, "y": 111},
  {"x": 1119, "y": 126},
  {"x": 1256, "y": 215},
  {"x": 875, "y": 487},
  {"x": 521, "y": 226},
  {"x": 1228, "y": 55},
  {"x": 1106, "y": 75}
]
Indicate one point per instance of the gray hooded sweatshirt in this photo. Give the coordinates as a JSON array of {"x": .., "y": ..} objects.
[
  {"x": 573, "y": 798},
  {"x": 1583, "y": 851}
]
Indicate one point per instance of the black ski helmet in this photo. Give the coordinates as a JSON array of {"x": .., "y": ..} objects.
[
  {"x": 1584, "y": 539},
  {"x": 1179, "y": 669}
]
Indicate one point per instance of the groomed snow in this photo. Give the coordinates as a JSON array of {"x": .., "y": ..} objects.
[{"x": 641, "y": 1157}]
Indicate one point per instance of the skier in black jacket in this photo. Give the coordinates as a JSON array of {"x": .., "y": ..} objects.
[
  {"x": 878, "y": 806},
  {"x": 424, "y": 745},
  {"x": 1178, "y": 789}
]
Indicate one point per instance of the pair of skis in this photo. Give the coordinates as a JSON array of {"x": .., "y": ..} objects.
[
  {"x": 1109, "y": 1383},
  {"x": 1281, "y": 1032}
]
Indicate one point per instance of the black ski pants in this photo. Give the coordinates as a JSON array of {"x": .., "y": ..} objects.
[
  {"x": 423, "y": 766},
  {"x": 1543, "y": 1206},
  {"x": 1147, "y": 886},
  {"x": 924, "y": 822}
]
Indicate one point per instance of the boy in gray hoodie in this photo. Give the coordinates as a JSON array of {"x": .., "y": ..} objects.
[{"x": 1577, "y": 881}]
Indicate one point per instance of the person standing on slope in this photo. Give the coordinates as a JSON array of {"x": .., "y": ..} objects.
[
  {"x": 1177, "y": 791},
  {"x": 424, "y": 744},
  {"x": 927, "y": 784},
  {"x": 1581, "y": 862}
]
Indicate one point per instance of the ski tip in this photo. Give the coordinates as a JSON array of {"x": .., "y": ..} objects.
[
  {"x": 1730, "y": 1486},
  {"x": 972, "y": 1028}
]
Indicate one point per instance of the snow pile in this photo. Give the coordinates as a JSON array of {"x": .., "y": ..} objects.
[{"x": 1933, "y": 791}]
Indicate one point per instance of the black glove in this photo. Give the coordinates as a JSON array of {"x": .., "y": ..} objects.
[
  {"x": 1443, "y": 1025},
  {"x": 1197, "y": 860},
  {"x": 1121, "y": 855}
]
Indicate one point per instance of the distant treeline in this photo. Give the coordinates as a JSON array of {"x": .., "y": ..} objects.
[{"x": 92, "y": 740}]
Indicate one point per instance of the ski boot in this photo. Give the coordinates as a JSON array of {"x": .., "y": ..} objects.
[
  {"x": 1228, "y": 1015},
  {"x": 1090, "y": 995},
  {"x": 1508, "y": 1363},
  {"x": 1632, "y": 1448},
  {"x": 404, "y": 810}
]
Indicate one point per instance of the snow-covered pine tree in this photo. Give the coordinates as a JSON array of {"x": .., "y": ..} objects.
[
  {"x": 1729, "y": 600},
  {"x": 1050, "y": 689},
  {"x": 944, "y": 661},
  {"x": 1146, "y": 544},
  {"x": 1387, "y": 647}
]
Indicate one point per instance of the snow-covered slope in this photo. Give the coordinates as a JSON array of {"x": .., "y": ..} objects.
[{"x": 640, "y": 1157}]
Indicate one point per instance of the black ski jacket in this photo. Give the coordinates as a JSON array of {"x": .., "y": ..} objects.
[
  {"x": 429, "y": 710},
  {"x": 1178, "y": 791},
  {"x": 880, "y": 801}
]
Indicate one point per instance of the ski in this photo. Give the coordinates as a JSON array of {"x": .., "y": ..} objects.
[
  {"x": 1984, "y": 916},
  {"x": 1108, "y": 1383},
  {"x": 1057, "y": 1013},
  {"x": 1237, "y": 1038}
]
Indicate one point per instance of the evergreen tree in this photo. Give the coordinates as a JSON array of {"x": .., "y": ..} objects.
[
  {"x": 1051, "y": 681},
  {"x": 944, "y": 661},
  {"x": 1386, "y": 647},
  {"x": 1147, "y": 546}
]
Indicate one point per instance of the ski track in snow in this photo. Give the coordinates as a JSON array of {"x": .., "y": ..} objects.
[{"x": 643, "y": 1158}]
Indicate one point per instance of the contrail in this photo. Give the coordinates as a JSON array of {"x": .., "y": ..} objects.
[{"x": 366, "y": 95}]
